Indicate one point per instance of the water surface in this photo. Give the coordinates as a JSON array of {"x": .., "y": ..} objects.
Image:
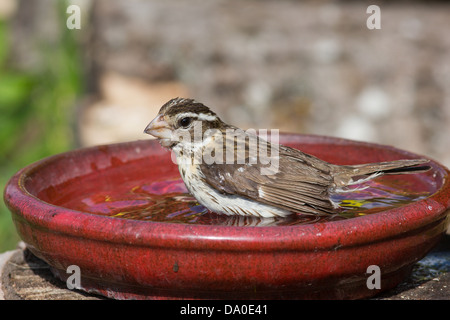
[{"x": 169, "y": 201}]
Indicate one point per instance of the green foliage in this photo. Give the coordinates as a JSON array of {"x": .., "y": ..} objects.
[{"x": 36, "y": 110}]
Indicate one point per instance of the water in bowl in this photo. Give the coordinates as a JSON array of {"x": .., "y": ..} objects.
[{"x": 168, "y": 201}]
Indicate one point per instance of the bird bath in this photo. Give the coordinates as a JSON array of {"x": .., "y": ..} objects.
[{"x": 120, "y": 213}]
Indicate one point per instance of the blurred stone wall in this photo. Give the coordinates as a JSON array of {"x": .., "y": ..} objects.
[{"x": 308, "y": 67}]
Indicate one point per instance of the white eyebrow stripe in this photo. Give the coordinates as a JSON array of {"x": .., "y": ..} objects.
[{"x": 199, "y": 116}]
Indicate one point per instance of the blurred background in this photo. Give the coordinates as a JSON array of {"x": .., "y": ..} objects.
[{"x": 300, "y": 66}]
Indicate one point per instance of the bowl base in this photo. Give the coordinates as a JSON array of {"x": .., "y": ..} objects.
[{"x": 350, "y": 290}]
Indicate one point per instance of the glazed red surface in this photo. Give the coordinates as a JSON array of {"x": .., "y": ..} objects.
[{"x": 125, "y": 258}]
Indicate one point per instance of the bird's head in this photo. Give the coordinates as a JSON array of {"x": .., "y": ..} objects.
[{"x": 181, "y": 120}]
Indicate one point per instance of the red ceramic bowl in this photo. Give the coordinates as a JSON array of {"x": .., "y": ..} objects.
[{"x": 125, "y": 258}]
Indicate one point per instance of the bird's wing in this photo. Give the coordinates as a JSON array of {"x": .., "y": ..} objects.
[{"x": 296, "y": 181}]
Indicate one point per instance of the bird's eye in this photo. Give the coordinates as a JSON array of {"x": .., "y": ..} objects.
[{"x": 185, "y": 122}]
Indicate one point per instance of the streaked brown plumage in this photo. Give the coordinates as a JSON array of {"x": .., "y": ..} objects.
[{"x": 301, "y": 182}]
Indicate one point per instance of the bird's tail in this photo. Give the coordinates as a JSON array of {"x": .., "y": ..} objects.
[
  {"x": 392, "y": 167},
  {"x": 360, "y": 173}
]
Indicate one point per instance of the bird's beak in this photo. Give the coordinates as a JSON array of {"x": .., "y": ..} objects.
[{"x": 159, "y": 128}]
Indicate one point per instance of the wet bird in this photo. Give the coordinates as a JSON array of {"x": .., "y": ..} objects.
[{"x": 223, "y": 167}]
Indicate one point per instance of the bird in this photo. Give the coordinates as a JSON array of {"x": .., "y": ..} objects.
[{"x": 220, "y": 166}]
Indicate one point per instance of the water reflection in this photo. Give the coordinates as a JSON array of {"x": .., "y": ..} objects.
[{"x": 168, "y": 201}]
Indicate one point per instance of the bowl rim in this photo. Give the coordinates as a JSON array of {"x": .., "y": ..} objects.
[{"x": 316, "y": 236}]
